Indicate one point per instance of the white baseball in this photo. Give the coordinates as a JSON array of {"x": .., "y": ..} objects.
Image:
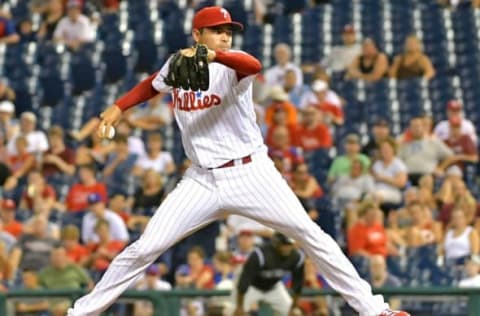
[{"x": 110, "y": 133}]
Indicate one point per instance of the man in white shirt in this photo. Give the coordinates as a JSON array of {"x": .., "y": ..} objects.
[
  {"x": 75, "y": 29},
  {"x": 275, "y": 76},
  {"x": 37, "y": 140},
  {"x": 97, "y": 210},
  {"x": 454, "y": 109},
  {"x": 342, "y": 56}
]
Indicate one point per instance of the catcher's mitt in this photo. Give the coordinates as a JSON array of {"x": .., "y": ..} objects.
[{"x": 189, "y": 72}]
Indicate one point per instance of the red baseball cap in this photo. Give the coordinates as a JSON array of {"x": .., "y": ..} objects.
[
  {"x": 214, "y": 16},
  {"x": 454, "y": 105}
]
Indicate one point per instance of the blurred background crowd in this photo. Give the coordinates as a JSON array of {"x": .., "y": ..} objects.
[{"x": 369, "y": 110}]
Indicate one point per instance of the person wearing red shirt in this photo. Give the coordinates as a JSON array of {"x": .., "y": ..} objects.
[
  {"x": 103, "y": 252},
  {"x": 10, "y": 225},
  {"x": 58, "y": 160},
  {"x": 196, "y": 273},
  {"x": 367, "y": 237},
  {"x": 311, "y": 134},
  {"x": 281, "y": 149},
  {"x": 77, "y": 196},
  {"x": 38, "y": 193},
  {"x": 332, "y": 113},
  {"x": 76, "y": 252},
  {"x": 461, "y": 144}
]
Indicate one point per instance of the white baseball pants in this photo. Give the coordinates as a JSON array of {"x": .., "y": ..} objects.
[
  {"x": 278, "y": 298},
  {"x": 255, "y": 190}
]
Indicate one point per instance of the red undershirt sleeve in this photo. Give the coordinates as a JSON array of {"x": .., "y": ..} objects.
[
  {"x": 142, "y": 92},
  {"x": 244, "y": 64}
]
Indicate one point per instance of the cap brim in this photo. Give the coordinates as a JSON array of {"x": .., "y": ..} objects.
[{"x": 236, "y": 26}]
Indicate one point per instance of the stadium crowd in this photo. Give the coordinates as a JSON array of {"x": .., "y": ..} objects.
[{"x": 71, "y": 202}]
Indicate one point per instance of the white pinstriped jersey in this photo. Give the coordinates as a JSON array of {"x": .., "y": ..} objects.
[{"x": 219, "y": 124}]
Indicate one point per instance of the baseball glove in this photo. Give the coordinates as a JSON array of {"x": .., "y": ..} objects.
[{"x": 189, "y": 73}]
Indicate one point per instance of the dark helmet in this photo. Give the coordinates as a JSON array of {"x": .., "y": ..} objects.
[{"x": 280, "y": 239}]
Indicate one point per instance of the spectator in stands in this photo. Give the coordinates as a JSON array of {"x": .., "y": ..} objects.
[
  {"x": 75, "y": 29},
  {"x": 33, "y": 250},
  {"x": 10, "y": 224},
  {"x": 412, "y": 63},
  {"x": 424, "y": 229},
  {"x": 342, "y": 56},
  {"x": 381, "y": 278},
  {"x": 380, "y": 133},
  {"x": 6, "y": 270},
  {"x": 76, "y": 252},
  {"x": 151, "y": 192},
  {"x": 61, "y": 274},
  {"x": 454, "y": 111},
  {"x": 275, "y": 76},
  {"x": 25, "y": 31},
  {"x": 305, "y": 186},
  {"x": 98, "y": 211},
  {"x": 461, "y": 144},
  {"x": 423, "y": 155},
  {"x": 367, "y": 237},
  {"x": 342, "y": 164},
  {"x": 118, "y": 203},
  {"x": 59, "y": 160},
  {"x": 237, "y": 225},
  {"x": 280, "y": 118},
  {"x": 154, "y": 116},
  {"x": 76, "y": 199},
  {"x": 461, "y": 240},
  {"x": 151, "y": 281},
  {"x": 8, "y": 34},
  {"x": 390, "y": 175},
  {"x": 8, "y": 124},
  {"x": 353, "y": 186},
  {"x": 135, "y": 143},
  {"x": 53, "y": 15},
  {"x": 119, "y": 166},
  {"x": 280, "y": 100},
  {"x": 224, "y": 280},
  {"x": 31, "y": 306},
  {"x": 37, "y": 140},
  {"x": 20, "y": 163},
  {"x": 196, "y": 274},
  {"x": 161, "y": 161},
  {"x": 295, "y": 92},
  {"x": 104, "y": 249},
  {"x": 310, "y": 97},
  {"x": 472, "y": 269},
  {"x": 426, "y": 192},
  {"x": 244, "y": 245},
  {"x": 38, "y": 195},
  {"x": 7, "y": 239},
  {"x": 455, "y": 194},
  {"x": 332, "y": 113},
  {"x": 281, "y": 148},
  {"x": 312, "y": 134},
  {"x": 371, "y": 65},
  {"x": 7, "y": 94},
  {"x": 94, "y": 151}
]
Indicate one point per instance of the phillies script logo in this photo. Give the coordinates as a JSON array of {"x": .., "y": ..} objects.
[{"x": 192, "y": 101}]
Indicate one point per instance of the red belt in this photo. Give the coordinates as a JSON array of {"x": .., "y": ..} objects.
[{"x": 231, "y": 163}]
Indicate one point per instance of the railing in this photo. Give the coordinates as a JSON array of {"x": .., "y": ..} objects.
[{"x": 168, "y": 302}]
